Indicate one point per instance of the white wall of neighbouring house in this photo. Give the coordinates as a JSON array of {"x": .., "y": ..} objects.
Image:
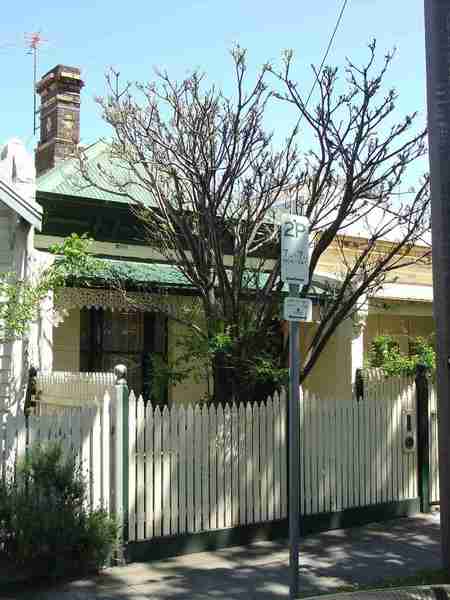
[
  {"x": 41, "y": 331},
  {"x": 19, "y": 213},
  {"x": 17, "y": 257},
  {"x": 6, "y": 265}
]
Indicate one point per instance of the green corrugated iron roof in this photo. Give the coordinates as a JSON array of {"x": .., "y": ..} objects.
[
  {"x": 164, "y": 275},
  {"x": 141, "y": 274},
  {"x": 65, "y": 178}
]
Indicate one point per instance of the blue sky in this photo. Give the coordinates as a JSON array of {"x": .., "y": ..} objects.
[{"x": 137, "y": 35}]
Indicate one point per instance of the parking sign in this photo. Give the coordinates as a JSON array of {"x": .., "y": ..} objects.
[{"x": 295, "y": 250}]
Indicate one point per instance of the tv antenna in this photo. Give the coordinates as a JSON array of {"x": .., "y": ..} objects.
[{"x": 33, "y": 41}]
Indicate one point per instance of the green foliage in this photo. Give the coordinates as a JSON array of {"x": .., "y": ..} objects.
[
  {"x": 21, "y": 300},
  {"x": 260, "y": 366},
  {"x": 74, "y": 259},
  {"x": 45, "y": 524},
  {"x": 193, "y": 361},
  {"x": 20, "y": 304},
  {"x": 385, "y": 353},
  {"x": 163, "y": 375},
  {"x": 220, "y": 342},
  {"x": 424, "y": 350},
  {"x": 265, "y": 370}
]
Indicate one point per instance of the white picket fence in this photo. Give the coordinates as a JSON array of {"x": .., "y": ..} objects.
[
  {"x": 203, "y": 468},
  {"x": 199, "y": 469},
  {"x": 60, "y": 391},
  {"x": 434, "y": 440},
  {"x": 85, "y": 432}
]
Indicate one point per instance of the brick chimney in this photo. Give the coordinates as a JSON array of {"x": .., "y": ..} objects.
[{"x": 59, "y": 91}]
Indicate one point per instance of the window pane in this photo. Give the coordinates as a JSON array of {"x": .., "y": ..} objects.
[{"x": 123, "y": 332}]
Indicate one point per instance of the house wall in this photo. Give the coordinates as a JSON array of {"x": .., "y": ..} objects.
[
  {"x": 66, "y": 343},
  {"x": 190, "y": 390},
  {"x": 6, "y": 263},
  {"x": 6, "y": 254},
  {"x": 331, "y": 376},
  {"x": 400, "y": 326},
  {"x": 17, "y": 256}
]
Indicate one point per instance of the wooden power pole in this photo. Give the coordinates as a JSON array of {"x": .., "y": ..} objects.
[{"x": 437, "y": 37}]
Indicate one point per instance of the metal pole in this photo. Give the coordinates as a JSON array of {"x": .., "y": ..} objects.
[
  {"x": 437, "y": 36},
  {"x": 294, "y": 463},
  {"x": 34, "y": 87}
]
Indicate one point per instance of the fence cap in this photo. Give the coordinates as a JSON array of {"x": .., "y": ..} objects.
[{"x": 120, "y": 371}]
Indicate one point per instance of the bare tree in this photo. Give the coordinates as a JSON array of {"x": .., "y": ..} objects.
[
  {"x": 349, "y": 184},
  {"x": 202, "y": 175}
]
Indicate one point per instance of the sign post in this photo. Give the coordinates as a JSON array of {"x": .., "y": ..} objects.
[{"x": 294, "y": 272}]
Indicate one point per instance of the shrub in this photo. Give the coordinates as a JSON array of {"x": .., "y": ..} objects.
[
  {"x": 46, "y": 523},
  {"x": 385, "y": 353}
]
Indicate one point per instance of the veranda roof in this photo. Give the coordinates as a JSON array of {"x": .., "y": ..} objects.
[{"x": 159, "y": 275}]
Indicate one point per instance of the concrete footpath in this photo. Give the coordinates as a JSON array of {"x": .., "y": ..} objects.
[{"x": 329, "y": 561}]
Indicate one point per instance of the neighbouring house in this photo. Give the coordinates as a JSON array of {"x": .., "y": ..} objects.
[
  {"x": 99, "y": 328},
  {"x": 20, "y": 219}
]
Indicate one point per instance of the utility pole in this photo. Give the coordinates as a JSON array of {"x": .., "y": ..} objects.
[{"x": 437, "y": 38}]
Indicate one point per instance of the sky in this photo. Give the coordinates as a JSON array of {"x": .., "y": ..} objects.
[{"x": 136, "y": 36}]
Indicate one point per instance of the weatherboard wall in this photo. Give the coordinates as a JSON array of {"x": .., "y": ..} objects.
[{"x": 6, "y": 261}]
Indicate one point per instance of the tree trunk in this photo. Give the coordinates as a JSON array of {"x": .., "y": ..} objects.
[{"x": 223, "y": 379}]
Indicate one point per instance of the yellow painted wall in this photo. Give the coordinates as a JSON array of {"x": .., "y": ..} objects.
[
  {"x": 331, "y": 376},
  {"x": 401, "y": 327},
  {"x": 189, "y": 390},
  {"x": 66, "y": 343}
]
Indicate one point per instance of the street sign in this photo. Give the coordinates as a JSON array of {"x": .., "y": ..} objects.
[
  {"x": 295, "y": 272},
  {"x": 294, "y": 249},
  {"x": 297, "y": 309}
]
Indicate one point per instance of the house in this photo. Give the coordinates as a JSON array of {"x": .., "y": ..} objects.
[
  {"x": 20, "y": 218},
  {"x": 99, "y": 328}
]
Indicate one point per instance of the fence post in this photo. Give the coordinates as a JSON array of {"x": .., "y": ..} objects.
[
  {"x": 121, "y": 462},
  {"x": 423, "y": 441}
]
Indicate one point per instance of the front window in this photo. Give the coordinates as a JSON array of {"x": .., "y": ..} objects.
[{"x": 110, "y": 338}]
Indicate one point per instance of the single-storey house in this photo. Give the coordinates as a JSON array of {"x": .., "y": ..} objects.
[{"x": 97, "y": 327}]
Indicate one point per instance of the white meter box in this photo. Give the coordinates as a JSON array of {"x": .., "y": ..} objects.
[{"x": 295, "y": 249}]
